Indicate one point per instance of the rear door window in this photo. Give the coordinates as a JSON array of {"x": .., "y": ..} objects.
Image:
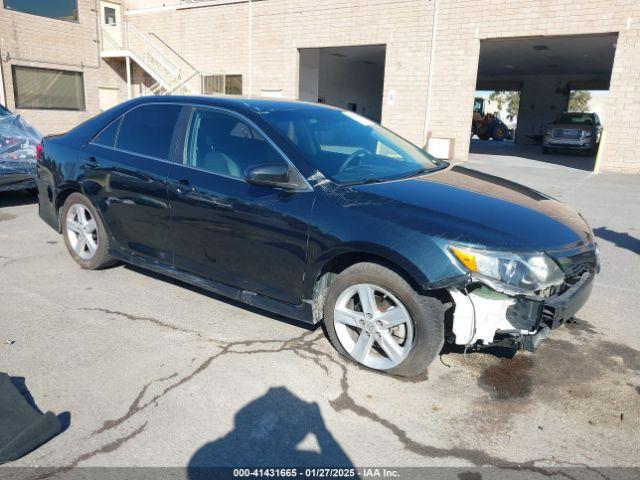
[{"x": 148, "y": 130}]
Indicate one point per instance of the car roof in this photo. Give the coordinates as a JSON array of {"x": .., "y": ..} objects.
[{"x": 240, "y": 104}]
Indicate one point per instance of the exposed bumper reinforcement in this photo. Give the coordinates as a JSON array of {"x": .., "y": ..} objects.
[{"x": 484, "y": 317}]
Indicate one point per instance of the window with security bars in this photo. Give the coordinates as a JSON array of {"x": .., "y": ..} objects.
[{"x": 222, "y": 84}]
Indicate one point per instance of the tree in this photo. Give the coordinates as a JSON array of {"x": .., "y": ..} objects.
[
  {"x": 510, "y": 99},
  {"x": 579, "y": 100}
]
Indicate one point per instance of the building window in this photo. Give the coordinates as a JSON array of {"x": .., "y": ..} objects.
[
  {"x": 233, "y": 85},
  {"x": 58, "y": 9},
  {"x": 109, "y": 16},
  {"x": 47, "y": 89},
  {"x": 218, "y": 84}
]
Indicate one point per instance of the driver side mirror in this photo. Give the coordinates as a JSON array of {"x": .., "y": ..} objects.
[{"x": 268, "y": 174}]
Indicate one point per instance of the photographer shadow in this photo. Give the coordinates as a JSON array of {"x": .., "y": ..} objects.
[{"x": 277, "y": 430}]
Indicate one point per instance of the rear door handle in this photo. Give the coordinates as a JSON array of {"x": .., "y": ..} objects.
[{"x": 92, "y": 162}]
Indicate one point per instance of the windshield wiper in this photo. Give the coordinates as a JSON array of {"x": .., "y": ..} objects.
[
  {"x": 422, "y": 171},
  {"x": 365, "y": 181}
]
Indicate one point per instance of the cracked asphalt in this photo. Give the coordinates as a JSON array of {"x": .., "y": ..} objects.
[{"x": 151, "y": 372}]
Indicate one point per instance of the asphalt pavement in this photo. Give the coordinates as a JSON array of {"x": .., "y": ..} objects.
[{"x": 145, "y": 371}]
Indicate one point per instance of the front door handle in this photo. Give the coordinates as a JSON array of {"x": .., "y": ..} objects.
[{"x": 183, "y": 187}]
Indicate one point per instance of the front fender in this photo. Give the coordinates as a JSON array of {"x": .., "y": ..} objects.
[{"x": 424, "y": 268}]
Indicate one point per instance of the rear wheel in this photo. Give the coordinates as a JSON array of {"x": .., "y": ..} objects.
[
  {"x": 499, "y": 133},
  {"x": 374, "y": 317},
  {"x": 84, "y": 233}
]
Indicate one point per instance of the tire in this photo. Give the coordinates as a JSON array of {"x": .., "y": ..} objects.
[
  {"x": 499, "y": 133},
  {"x": 76, "y": 233},
  {"x": 545, "y": 150},
  {"x": 418, "y": 340}
]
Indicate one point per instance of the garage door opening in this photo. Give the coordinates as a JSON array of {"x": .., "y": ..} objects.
[
  {"x": 527, "y": 83},
  {"x": 347, "y": 77}
]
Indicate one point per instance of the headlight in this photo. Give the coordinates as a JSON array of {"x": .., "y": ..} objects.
[
  {"x": 528, "y": 272},
  {"x": 586, "y": 133}
]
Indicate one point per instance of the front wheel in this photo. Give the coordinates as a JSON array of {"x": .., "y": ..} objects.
[
  {"x": 374, "y": 317},
  {"x": 84, "y": 233}
]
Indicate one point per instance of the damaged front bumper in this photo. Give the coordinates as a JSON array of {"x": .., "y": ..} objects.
[{"x": 484, "y": 317}]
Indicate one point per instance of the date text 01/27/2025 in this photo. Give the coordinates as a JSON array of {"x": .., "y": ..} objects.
[{"x": 315, "y": 473}]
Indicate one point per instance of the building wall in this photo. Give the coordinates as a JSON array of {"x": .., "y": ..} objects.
[
  {"x": 35, "y": 41},
  {"x": 463, "y": 24},
  {"x": 215, "y": 39}
]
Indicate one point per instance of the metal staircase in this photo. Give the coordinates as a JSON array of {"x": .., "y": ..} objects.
[{"x": 171, "y": 73}]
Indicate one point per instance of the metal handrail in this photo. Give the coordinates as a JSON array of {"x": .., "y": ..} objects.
[
  {"x": 184, "y": 60},
  {"x": 160, "y": 57},
  {"x": 169, "y": 77},
  {"x": 183, "y": 82}
]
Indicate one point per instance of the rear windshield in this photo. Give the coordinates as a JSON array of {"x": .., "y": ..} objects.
[{"x": 576, "y": 119}]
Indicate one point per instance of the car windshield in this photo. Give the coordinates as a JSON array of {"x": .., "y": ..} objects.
[
  {"x": 348, "y": 148},
  {"x": 575, "y": 119}
]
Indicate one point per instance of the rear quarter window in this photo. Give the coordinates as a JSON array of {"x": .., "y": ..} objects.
[
  {"x": 148, "y": 130},
  {"x": 107, "y": 137}
]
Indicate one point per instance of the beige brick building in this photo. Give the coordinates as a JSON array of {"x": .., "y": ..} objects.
[{"x": 415, "y": 65}]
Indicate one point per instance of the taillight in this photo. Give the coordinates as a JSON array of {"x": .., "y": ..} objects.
[{"x": 39, "y": 152}]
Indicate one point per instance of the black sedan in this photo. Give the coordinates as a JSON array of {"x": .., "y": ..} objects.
[{"x": 320, "y": 215}]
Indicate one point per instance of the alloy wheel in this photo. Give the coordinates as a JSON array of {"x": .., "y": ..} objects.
[
  {"x": 373, "y": 326},
  {"x": 82, "y": 231}
]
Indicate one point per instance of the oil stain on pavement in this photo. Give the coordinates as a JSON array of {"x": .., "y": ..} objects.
[
  {"x": 574, "y": 366},
  {"x": 511, "y": 378}
]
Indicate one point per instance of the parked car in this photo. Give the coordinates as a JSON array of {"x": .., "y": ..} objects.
[
  {"x": 320, "y": 215},
  {"x": 18, "y": 145},
  {"x": 573, "y": 131}
]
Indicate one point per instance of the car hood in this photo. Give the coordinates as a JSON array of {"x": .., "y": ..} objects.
[{"x": 464, "y": 205}]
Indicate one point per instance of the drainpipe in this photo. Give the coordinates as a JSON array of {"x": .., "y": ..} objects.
[
  {"x": 128, "y": 67},
  {"x": 434, "y": 26},
  {"x": 3, "y": 98},
  {"x": 250, "y": 40}
]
